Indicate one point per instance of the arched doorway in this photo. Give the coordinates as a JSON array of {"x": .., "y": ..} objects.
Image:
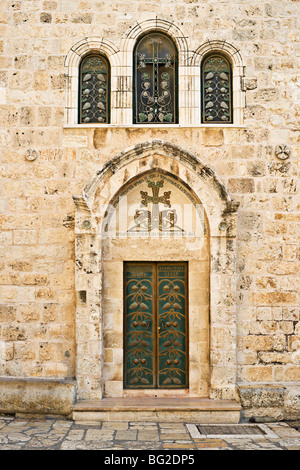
[
  {"x": 100, "y": 266},
  {"x": 155, "y": 262}
]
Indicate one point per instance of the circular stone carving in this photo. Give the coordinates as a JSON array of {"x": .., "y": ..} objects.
[
  {"x": 86, "y": 224},
  {"x": 223, "y": 226},
  {"x": 282, "y": 152},
  {"x": 31, "y": 155}
]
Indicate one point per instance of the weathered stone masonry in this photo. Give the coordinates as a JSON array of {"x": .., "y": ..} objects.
[{"x": 51, "y": 276}]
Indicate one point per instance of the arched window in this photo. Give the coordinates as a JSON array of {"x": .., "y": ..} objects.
[
  {"x": 94, "y": 90},
  {"x": 216, "y": 89},
  {"x": 155, "y": 80}
]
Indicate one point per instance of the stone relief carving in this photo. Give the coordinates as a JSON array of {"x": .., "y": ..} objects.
[
  {"x": 31, "y": 155},
  {"x": 86, "y": 224},
  {"x": 282, "y": 151}
]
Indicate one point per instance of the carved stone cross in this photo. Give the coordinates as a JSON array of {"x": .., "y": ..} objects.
[
  {"x": 155, "y": 199},
  {"x": 155, "y": 219}
]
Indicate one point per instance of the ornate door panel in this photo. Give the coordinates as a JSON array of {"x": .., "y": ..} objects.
[
  {"x": 139, "y": 360},
  {"x": 172, "y": 319},
  {"x": 155, "y": 325}
]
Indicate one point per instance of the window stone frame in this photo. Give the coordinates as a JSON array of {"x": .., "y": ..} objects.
[
  {"x": 121, "y": 65},
  {"x": 77, "y": 53},
  {"x": 234, "y": 56}
]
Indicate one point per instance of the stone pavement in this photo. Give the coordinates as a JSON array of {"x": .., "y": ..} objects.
[{"x": 31, "y": 433}]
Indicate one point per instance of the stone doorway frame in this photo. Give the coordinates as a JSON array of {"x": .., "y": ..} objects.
[
  {"x": 193, "y": 248},
  {"x": 221, "y": 212}
]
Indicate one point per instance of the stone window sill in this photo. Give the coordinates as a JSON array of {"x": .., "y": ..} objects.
[{"x": 152, "y": 126}]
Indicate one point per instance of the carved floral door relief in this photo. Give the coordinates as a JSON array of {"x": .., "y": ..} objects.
[{"x": 155, "y": 325}]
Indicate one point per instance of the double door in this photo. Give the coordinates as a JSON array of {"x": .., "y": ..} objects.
[{"x": 155, "y": 325}]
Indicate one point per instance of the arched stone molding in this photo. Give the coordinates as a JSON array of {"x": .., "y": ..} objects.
[
  {"x": 220, "y": 211},
  {"x": 220, "y": 203},
  {"x": 72, "y": 63},
  {"x": 187, "y": 101},
  {"x": 225, "y": 47},
  {"x": 234, "y": 56},
  {"x": 155, "y": 25}
]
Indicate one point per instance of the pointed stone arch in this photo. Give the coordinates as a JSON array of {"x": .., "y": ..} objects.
[
  {"x": 220, "y": 210},
  {"x": 220, "y": 203}
]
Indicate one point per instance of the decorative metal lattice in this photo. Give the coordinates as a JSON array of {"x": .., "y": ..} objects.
[
  {"x": 156, "y": 325},
  {"x": 94, "y": 90},
  {"x": 155, "y": 80},
  {"x": 216, "y": 90}
]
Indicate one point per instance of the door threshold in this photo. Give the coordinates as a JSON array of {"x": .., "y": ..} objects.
[
  {"x": 155, "y": 403},
  {"x": 184, "y": 409}
]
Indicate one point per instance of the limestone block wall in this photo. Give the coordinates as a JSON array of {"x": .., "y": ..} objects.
[{"x": 44, "y": 160}]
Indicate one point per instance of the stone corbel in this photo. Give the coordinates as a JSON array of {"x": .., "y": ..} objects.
[
  {"x": 83, "y": 215},
  {"x": 231, "y": 207}
]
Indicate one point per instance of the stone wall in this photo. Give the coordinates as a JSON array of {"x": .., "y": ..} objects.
[{"x": 44, "y": 161}]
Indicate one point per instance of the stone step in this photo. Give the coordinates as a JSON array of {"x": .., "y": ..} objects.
[{"x": 189, "y": 410}]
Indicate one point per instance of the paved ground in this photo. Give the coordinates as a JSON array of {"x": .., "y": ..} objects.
[{"x": 58, "y": 434}]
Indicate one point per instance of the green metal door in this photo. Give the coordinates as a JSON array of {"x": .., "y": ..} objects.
[
  {"x": 155, "y": 325},
  {"x": 172, "y": 324}
]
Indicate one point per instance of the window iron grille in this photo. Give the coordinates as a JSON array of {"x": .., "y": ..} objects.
[
  {"x": 94, "y": 90},
  {"x": 216, "y": 90},
  {"x": 155, "y": 80}
]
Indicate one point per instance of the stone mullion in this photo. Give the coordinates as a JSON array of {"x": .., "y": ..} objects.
[
  {"x": 189, "y": 95},
  {"x": 122, "y": 98},
  {"x": 114, "y": 83}
]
